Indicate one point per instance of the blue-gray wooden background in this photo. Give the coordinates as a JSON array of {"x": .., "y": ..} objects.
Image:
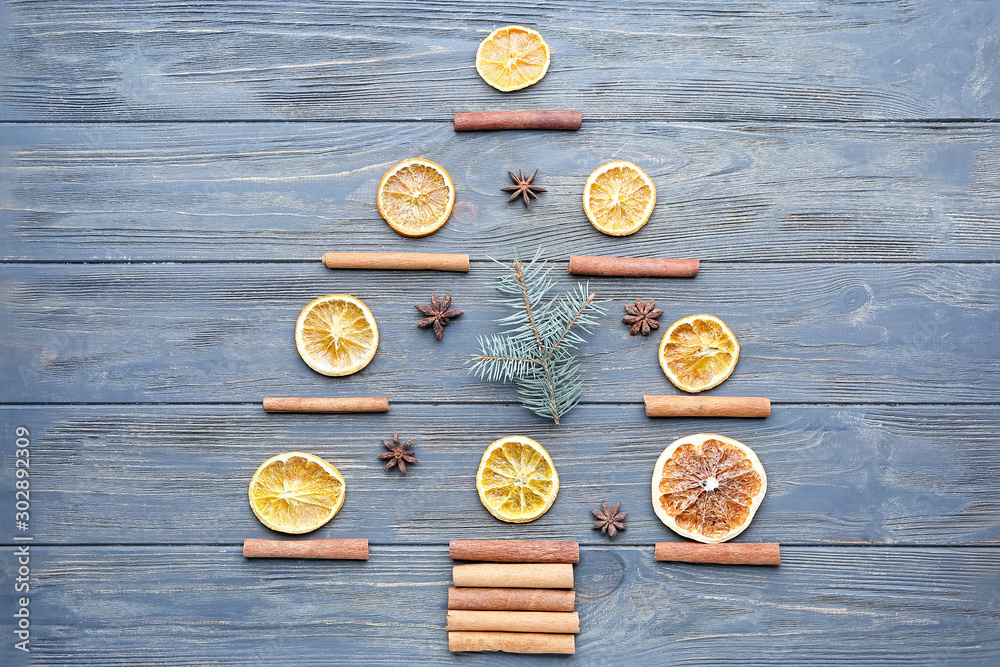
[{"x": 170, "y": 174}]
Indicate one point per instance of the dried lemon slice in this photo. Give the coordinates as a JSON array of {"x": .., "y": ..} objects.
[
  {"x": 296, "y": 493},
  {"x": 619, "y": 198},
  {"x": 698, "y": 352},
  {"x": 517, "y": 480},
  {"x": 512, "y": 57},
  {"x": 336, "y": 335},
  {"x": 708, "y": 487},
  {"x": 416, "y": 197}
]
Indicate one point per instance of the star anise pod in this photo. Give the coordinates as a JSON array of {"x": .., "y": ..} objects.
[
  {"x": 398, "y": 454},
  {"x": 609, "y": 519},
  {"x": 439, "y": 313},
  {"x": 642, "y": 317},
  {"x": 523, "y": 188}
]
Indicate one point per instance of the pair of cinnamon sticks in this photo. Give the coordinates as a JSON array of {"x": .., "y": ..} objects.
[
  {"x": 586, "y": 265},
  {"x": 519, "y": 600}
]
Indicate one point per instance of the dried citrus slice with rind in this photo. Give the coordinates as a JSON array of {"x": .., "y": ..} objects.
[
  {"x": 619, "y": 198},
  {"x": 296, "y": 492},
  {"x": 336, "y": 335},
  {"x": 698, "y": 352},
  {"x": 416, "y": 197},
  {"x": 708, "y": 487},
  {"x": 517, "y": 480},
  {"x": 512, "y": 57}
]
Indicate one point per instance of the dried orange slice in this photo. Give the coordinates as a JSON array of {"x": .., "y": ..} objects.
[
  {"x": 416, "y": 197},
  {"x": 512, "y": 57},
  {"x": 296, "y": 493},
  {"x": 517, "y": 480},
  {"x": 708, "y": 487},
  {"x": 698, "y": 352},
  {"x": 336, "y": 335},
  {"x": 619, "y": 198}
]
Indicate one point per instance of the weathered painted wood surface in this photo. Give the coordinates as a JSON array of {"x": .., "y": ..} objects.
[
  {"x": 188, "y": 605},
  {"x": 179, "y": 474},
  {"x": 171, "y": 173},
  {"x": 413, "y": 60},
  {"x": 277, "y": 191},
  {"x": 225, "y": 333}
]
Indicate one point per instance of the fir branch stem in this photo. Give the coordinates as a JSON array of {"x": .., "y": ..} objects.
[
  {"x": 551, "y": 389},
  {"x": 519, "y": 274},
  {"x": 527, "y": 361},
  {"x": 576, "y": 316},
  {"x": 546, "y": 372}
]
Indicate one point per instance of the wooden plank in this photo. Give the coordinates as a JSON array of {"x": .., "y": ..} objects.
[
  {"x": 197, "y": 605},
  {"x": 704, "y": 59},
  {"x": 179, "y": 474},
  {"x": 224, "y": 332},
  {"x": 727, "y": 192}
]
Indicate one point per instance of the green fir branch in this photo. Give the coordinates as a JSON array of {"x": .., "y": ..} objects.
[{"x": 536, "y": 350}]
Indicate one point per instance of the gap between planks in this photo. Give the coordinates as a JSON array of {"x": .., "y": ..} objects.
[
  {"x": 189, "y": 404},
  {"x": 449, "y": 120},
  {"x": 489, "y": 261},
  {"x": 443, "y": 546}
]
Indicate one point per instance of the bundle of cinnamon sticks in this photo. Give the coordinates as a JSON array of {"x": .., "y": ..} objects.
[{"x": 518, "y": 599}]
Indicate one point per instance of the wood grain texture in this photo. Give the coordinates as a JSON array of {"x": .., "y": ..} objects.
[
  {"x": 279, "y": 191},
  {"x": 824, "y": 605},
  {"x": 406, "y": 59},
  {"x": 224, "y": 332},
  {"x": 178, "y": 474}
]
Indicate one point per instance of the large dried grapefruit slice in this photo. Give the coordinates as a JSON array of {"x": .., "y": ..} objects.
[
  {"x": 708, "y": 487},
  {"x": 517, "y": 480},
  {"x": 336, "y": 335},
  {"x": 512, "y": 57},
  {"x": 296, "y": 493},
  {"x": 416, "y": 197},
  {"x": 698, "y": 352}
]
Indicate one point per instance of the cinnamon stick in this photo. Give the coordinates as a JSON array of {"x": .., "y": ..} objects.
[
  {"x": 563, "y": 622},
  {"x": 524, "y": 599},
  {"x": 722, "y": 554},
  {"x": 298, "y": 404},
  {"x": 706, "y": 406},
  {"x": 514, "y": 575},
  {"x": 515, "y": 551},
  {"x": 512, "y": 642},
  {"x": 332, "y": 549},
  {"x": 474, "y": 121},
  {"x": 633, "y": 267},
  {"x": 416, "y": 261}
]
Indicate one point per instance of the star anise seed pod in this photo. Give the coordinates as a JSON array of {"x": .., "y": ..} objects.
[
  {"x": 642, "y": 317},
  {"x": 439, "y": 313},
  {"x": 398, "y": 454},
  {"x": 523, "y": 188},
  {"x": 609, "y": 519}
]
